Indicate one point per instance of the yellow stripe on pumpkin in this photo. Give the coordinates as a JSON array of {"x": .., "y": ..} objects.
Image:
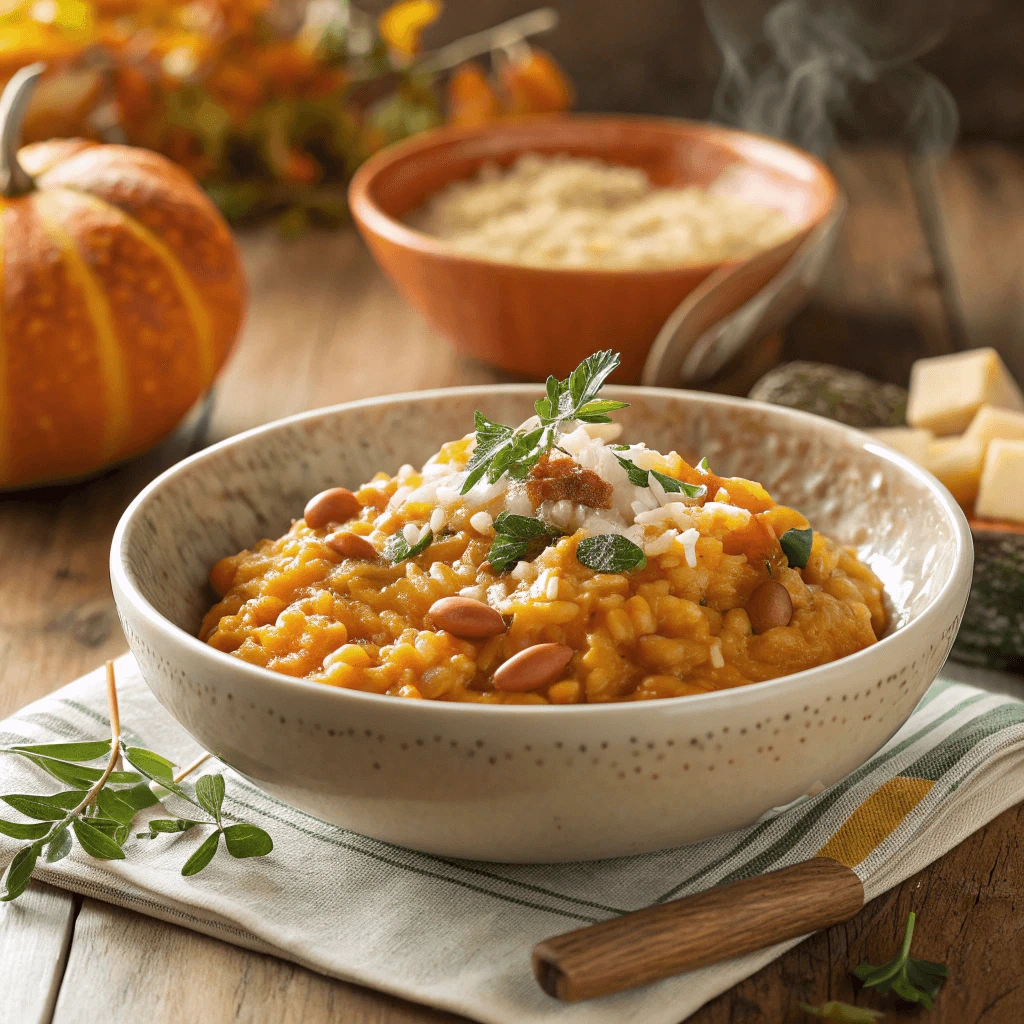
[
  {"x": 875, "y": 819},
  {"x": 115, "y": 381},
  {"x": 4, "y": 429},
  {"x": 193, "y": 303}
]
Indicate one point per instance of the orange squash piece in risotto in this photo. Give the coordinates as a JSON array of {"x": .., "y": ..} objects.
[{"x": 546, "y": 563}]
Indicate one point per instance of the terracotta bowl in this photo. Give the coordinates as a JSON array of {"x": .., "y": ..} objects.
[
  {"x": 541, "y": 783},
  {"x": 534, "y": 321}
]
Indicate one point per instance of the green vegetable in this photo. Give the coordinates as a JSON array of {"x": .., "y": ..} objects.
[
  {"x": 202, "y": 856},
  {"x": 397, "y": 548},
  {"x": 674, "y": 486},
  {"x": 517, "y": 538},
  {"x": 244, "y": 840},
  {"x": 915, "y": 981},
  {"x": 610, "y": 552},
  {"x": 843, "y": 1012},
  {"x": 210, "y": 794},
  {"x": 637, "y": 477},
  {"x": 641, "y": 478},
  {"x": 796, "y": 544},
  {"x": 502, "y": 449},
  {"x": 101, "y": 804}
]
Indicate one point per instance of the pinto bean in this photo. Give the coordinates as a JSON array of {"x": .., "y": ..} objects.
[
  {"x": 351, "y": 545},
  {"x": 335, "y": 505},
  {"x": 533, "y": 668},
  {"x": 465, "y": 618},
  {"x": 769, "y": 606}
]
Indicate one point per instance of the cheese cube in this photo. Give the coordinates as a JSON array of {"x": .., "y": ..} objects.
[
  {"x": 957, "y": 462},
  {"x": 991, "y": 423},
  {"x": 1001, "y": 495},
  {"x": 946, "y": 392},
  {"x": 907, "y": 441}
]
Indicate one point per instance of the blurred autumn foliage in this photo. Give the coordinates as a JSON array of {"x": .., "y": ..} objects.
[{"x": 271, "y": 104}]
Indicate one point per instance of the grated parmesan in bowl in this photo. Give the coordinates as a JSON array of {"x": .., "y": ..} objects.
[{"x": 573, "y": 212}]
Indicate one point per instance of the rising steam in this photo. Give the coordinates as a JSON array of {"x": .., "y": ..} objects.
[{"x": 813, "y": 71}]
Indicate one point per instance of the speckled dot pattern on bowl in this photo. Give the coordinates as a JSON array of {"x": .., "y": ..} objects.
[{"x": 540, "y": 783}]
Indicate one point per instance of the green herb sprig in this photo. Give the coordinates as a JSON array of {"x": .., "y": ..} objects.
[
  {"x": 100, "y": 804},
  {"x": 796, "y": 545},
  {"x": 642, "y": 478},
  {"x": 844, "y": 1013},
  {"x": 397, "y": 548},
  {"x": 518, "y": 538},
  {"x": 241, "y": 840},
  {"x": 915, "y": 981},
  {"x": 610, "y": 552},
  {"x": 502, "y": 449}
]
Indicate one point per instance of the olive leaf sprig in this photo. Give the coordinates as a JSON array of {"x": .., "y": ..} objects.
[
  {"x": 241, "y": 839},
  {"x": 502, "y": 449},
  {"x": 100, "y": 804}
]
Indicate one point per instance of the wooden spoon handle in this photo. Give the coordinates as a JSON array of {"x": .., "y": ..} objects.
[{"x": 715, "y": 925}]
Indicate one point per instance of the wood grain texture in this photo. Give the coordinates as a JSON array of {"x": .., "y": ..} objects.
[
  {"x": 35, "y": 933},
  {"x": 57, "y": 616},
  {"x": 978, "y": 203},
  {"x": 125, "y": 967},
  {"x": 682, "y": 935},
  {"x": 879, "y": 305},
  {"x": 969, "y": 915},
  {"x": 325, "y": 327}
]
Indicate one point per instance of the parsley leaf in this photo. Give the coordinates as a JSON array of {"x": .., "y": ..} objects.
[
  {"x": 674, "y": 486},
  {"x": 596, "y": 412},
  {"x": 637, "y": 476},
  {"x": 843, "y": 1012},
  {"x": 516, "y": 538},
  {"x": 915, "y": 981},
  {"x": 796, "y": 544},
  {"x": 547, "y": 407},
  {"x": 588, "y": 378},
  {"x": 641, "y": 478},
  {"x": 501, "y": 449},
  {"x": 520, "y": 527},
  {"x": 397, "y": 548},
  {"x": 490, "y": 436},
  {"x": 610, "y": 552}
]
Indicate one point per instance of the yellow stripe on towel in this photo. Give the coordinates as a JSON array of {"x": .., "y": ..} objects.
[{"x": 875, "y": 819}]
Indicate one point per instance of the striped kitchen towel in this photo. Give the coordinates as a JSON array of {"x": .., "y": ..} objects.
[{"x": 458, "y": 934}]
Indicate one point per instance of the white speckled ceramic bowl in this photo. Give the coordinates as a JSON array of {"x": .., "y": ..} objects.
[{"x": 539, "y": 783}]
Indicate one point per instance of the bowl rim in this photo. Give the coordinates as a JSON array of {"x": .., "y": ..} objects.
[
  {"x": 371, "y": 219},
  {"x": 962, "y": 564}
]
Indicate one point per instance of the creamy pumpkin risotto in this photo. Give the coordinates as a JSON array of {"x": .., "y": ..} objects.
[{"x": 546, "y": 563}]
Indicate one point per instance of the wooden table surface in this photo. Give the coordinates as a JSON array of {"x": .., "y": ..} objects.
[{"x": 929, "y": 262}]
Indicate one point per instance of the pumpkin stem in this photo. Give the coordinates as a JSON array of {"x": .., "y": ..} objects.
[{"x": 14, "y": 179}]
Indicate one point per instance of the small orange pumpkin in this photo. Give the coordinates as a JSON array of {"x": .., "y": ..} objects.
[{"x": 121, "y": 294}]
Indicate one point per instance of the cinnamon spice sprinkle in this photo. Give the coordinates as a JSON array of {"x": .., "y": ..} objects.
[{"x": 558, "y": 479}]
